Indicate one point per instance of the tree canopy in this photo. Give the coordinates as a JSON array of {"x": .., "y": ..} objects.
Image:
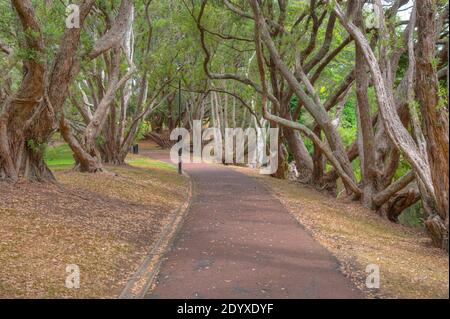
[{"x": 357, "y": 88}]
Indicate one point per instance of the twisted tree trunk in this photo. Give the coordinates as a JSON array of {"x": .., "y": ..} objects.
[
  {"x": 87, "y": 153},
  {"x": 28, "y": 118},
  {"x": 435, "y": 119}
]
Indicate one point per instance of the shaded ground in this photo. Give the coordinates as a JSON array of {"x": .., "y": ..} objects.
[
  {"x": 239, "y": 242},
  {"x": 410, "y": 267},
  {"x": 105, "y": 223}
]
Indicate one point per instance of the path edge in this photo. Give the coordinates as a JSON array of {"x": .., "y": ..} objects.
[
  {"x": 365, "y": 294},
  {"x": 146, "y": 273}
]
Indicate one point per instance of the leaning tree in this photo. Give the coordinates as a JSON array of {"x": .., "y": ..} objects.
[{"x": 393, "y": 73}]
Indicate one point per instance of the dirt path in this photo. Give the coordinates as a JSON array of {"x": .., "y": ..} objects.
[{"x": 238, "y": 241}]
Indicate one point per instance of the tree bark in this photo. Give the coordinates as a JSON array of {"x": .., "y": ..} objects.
[
  {"x": 435, "y": 119},
  {"x": 29, "y": 117},
  {"x": 314, "y": 107},
  {"x": 398, "y": 134},
  {"x": 303, "y": 160},
  {"x": 366, "y": 134}
]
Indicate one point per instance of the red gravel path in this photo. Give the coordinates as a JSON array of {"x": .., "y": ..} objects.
[{"x": 238, "y": 241}]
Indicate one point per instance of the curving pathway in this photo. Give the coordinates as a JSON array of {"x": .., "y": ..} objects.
[{"x": 238, "y": 241}]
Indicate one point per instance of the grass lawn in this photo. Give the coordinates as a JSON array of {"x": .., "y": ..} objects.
[
  {"x": 59, "y": 157},
  {"x": 105, "y": 223}
]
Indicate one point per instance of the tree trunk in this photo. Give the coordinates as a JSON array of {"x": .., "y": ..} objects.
[
  {"x": 398, "y": 134},
  {"x": 365, "y": 130},
  {"x": 283, "y": 167},
  {"x": 22, "y": 145},
  {"x": 84, "y": 162},
  {"x": 435, "y": 119},
  {"x": 313, "y": 105},
  {"x": 27, "y": 120},
  {"x": 318, "y": 162},
  {"x": 303, "y": 160}
]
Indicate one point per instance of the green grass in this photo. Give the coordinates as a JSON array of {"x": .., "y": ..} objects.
[
  {"x": 143, "y": 162},
  {"x": 412, "y": 216},
  {"x": 59, "y": 157}
]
